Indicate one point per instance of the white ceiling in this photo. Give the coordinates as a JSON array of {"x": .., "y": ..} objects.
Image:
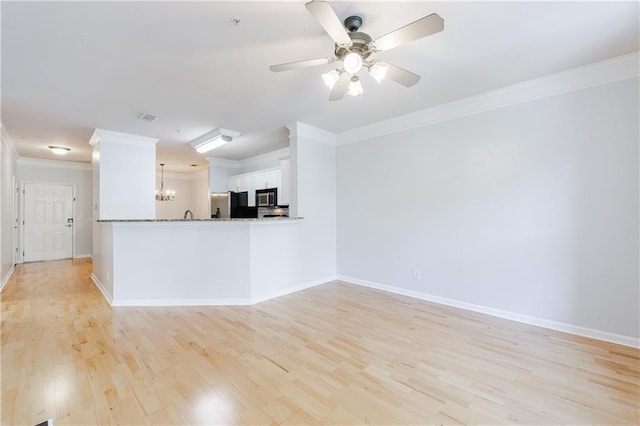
[{"x": 70, "y": 67}]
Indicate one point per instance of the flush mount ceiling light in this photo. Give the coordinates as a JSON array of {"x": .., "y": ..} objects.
[
  {"x": 59, "y": 150},
  {"x": 214, "y": 140},
  {"x": 354, "y": 48}
]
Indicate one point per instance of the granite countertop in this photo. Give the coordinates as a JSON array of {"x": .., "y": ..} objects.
[{"x": 264, "y": 219}]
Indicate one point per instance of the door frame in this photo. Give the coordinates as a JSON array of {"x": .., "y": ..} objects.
[
  {"x": 16, "y": 222},
  {"x": 23, "y": 209}
]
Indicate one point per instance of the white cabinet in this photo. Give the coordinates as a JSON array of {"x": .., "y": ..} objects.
[
  {"x": 261, "y": 179},
  {"x": 239, "y": 183},
  {"x": 266, "y": 179}
]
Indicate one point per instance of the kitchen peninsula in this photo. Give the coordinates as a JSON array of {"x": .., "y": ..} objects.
[
  {"x": 141, "y": 261},
  {"x": 147, "y": 262}
]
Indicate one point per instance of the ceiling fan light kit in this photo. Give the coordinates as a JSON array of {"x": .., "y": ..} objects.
[
  {"x": 378, "y": 71},
  {"x": 331, "y": 78},
  {"x": 354, "y": 48},
  {"x": 355, "y": 87},
  {"x": 352, "y": 63}
]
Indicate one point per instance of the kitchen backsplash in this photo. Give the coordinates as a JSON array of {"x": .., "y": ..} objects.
[{"x": 272, "y": 211}]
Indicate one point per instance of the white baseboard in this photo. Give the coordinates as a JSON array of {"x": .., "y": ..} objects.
[
  {"x": 221, "y": 302},
  {"x": 180, "y": 302},
  {"x": 5, "y": 279},
  {"x": 540, "y": 322},
  {"x": 104, "y": 292},
  {"x": 289, "y": 290},
  {"x": 82, "y": 256}
]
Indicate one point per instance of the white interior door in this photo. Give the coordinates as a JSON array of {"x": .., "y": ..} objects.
[{"x": 48, "y": 222}]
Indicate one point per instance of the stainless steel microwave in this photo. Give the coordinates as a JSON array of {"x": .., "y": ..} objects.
[{"x": 267, "y": 197}]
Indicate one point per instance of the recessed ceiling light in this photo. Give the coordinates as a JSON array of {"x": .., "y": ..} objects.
[{"x": 59, "y": 150}]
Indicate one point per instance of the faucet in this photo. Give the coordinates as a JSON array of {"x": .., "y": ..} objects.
[{"x": 188, "y": 213}]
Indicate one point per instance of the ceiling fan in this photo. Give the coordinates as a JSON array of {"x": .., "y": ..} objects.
[{"x": 354, "y": 49}]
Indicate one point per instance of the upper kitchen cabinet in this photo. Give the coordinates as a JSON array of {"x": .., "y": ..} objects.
[
  {"x": 266, "y": 179},
  {"x": 240, "y": 183},
  {"x": 262, "y": 179}
]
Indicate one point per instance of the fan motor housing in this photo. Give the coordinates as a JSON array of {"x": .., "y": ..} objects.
[{"x": 360, "y": 45}]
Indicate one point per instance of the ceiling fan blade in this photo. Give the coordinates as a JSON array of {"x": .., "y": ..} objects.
[
  {"x": 423, "y": 27},
  {"x": 400, "y": 75},
  {"x": 329, "y": 21},
  {"x": 301, "y": 64},
  {"x": 341, "y": 86}
]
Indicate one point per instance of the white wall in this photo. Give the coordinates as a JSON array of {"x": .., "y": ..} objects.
[
  {"x": 124, "y": 169},
  {"x": 200, "y": 198},
  {"x": 313, "y": 196},
  {"x": 102, "y": 273},
  {"x": 8, "y": 158},
  {"x": 270, "y": 160},
  {"x": 191, "y": 194},
  {"x": 64, "y": 172},
  {"x": 530, "y": 209},
  {"x": 180, "y": 261}
]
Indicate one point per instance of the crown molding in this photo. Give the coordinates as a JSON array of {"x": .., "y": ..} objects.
[
  {"x": 276, "y": 155},
  {"x": 620, "y": 68},
  {"x": 269, "y": 156},
  {"x": 8, "y": 143},
  {"x": 100, "y": 136},
  {"x": 307, "y": 131},
  {"x": 73, "y": 165}
]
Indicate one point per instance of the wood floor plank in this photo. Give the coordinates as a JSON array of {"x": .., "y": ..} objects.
[{"x": 333, "y": 354}]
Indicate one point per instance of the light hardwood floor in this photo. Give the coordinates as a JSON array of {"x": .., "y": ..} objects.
[{"x": 334, "y": 354}]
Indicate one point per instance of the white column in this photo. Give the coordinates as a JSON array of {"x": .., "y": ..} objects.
[
  {"x": 312, "y": 170},
  {"x": 124, "y": 175},
  {"x": 312, "y": 196}
]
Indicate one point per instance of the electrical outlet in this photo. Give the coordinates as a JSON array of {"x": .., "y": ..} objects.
[{"x": 416, "y": 274}]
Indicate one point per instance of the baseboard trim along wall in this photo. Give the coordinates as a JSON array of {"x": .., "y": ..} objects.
[
  {"x": 104, "y": 292},
  {"x": 83, "y": 256},
  {"x": 213, "y": 302},
  {"x": 289, "y": 290},
  {"x": 540, "y": 322},
  {"x": 5, "y": 280},
  {"x": 179, "y": 302}
]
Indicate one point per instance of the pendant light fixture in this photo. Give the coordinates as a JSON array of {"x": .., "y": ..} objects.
[{"x": 163, "y": 195}]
